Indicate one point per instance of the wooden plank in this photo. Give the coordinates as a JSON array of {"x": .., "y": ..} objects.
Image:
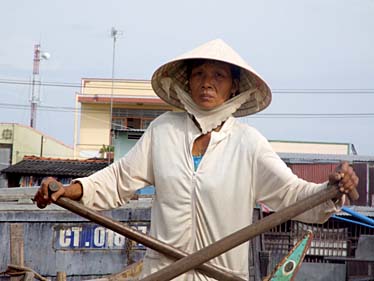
[
  {"x": 16, "y": 246},
  {"x": 61, "y": 276},
  {"x": 17, "y": 194}
]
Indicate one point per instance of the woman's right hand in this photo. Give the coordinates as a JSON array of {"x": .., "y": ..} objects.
[{"x": 44, "y": 197}]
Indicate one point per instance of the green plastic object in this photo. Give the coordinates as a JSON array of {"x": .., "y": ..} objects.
[{"x": 288, "y": 267}]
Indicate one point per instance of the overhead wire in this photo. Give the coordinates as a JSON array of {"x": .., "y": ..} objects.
[
  {"x": 279, "y": 91},
  {"x": 260, "y": 115}
]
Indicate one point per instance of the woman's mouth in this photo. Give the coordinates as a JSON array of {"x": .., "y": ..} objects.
[{"x": 206, "y": 96}]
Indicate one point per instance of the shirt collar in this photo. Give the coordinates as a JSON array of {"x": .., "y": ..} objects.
[{"x": 193, "y": 131}]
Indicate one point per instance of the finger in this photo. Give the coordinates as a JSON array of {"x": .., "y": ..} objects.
[
  {"x": 39, "y": 198},
  {"x": 352, "y": 183},
  {"x": 346, "y": 174},
  {"x": 345, "y": 166},
  {"x": 356, "y": 180},
  {"x": 57, "y": 194},
  {"x": 347, "y": 187},
  {"x": 44, "y": 187},
  {"x": 350, "y": 171},
  {"x": 335, "y": 177},
  {"x": 342, "y": 167},
  {"x": 350, "y": 177},
  {"x": 347, "y": 181},
  {"x": 41, "y": 205}
]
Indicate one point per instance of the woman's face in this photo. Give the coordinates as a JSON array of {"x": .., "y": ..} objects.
[{"x": 211, "y": 84}]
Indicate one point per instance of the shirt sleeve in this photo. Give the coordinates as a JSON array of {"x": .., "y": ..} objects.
[
  {"x": 114, "y": 185},
  {"x": 276, "y": 186}
]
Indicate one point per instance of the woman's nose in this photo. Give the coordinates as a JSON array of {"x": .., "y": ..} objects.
[{"x": 207, "y": 80}]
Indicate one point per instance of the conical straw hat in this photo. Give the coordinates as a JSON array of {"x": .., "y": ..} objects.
[{"x": 214, "y": 50}]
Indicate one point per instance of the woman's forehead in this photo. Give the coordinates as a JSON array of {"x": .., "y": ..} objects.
[{"x": 215, "y": 63}]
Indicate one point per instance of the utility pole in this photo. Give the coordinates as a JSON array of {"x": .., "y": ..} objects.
[
  {"x": 35, "y": 90},
  {"x": 114, "y": 33},
  {"x": 35, "y": 84}
]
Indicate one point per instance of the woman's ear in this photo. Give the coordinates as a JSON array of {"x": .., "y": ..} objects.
[
  {"x": 234, "y": 87},
  {"x": 188, "y": 86}
]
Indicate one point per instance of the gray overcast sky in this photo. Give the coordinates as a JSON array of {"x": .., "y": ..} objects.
[{"x": 302, "y": 48}]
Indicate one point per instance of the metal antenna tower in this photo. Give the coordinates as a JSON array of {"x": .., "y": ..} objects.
[{"x": 35, "y": 90}]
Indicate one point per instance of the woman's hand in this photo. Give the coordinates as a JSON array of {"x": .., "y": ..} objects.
[
  {"x": 344, "y": 178},
  {"x": 44, "y": 197}
]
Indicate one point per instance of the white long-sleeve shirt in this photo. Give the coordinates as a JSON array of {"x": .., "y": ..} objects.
[{"x": 193, "y": 209}]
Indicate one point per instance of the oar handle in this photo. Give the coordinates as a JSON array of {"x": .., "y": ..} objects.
[{"x": 53, "y": 187}]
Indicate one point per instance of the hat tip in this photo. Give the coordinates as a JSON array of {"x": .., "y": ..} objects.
[{"x": 218, "y": 40}]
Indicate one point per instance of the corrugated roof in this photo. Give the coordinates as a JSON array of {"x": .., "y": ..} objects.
[
  {"x": 322, "y": 158},
  {"x": 129, "y": 130},
  {"x": 32, "y": 165}
]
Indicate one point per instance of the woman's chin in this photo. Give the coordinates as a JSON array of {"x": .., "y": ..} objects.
[{"x": 206, "y": 106}]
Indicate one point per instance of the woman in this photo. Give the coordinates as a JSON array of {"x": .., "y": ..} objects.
[{"x": 209, "y": 170}]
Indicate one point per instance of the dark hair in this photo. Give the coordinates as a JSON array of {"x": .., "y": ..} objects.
[{"x": 192, "y": 63}]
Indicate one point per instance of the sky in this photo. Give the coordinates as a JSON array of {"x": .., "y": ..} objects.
[{"x": 316, "y": 55}]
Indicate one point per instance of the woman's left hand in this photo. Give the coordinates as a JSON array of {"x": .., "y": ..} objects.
[{"x": 344, "y": 178}]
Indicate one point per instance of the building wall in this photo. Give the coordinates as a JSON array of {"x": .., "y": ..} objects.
[
  {"x": 319, "y": 172},
  {"x": 310, "y": 147},
  {"x": 371, "y": 186},
  {"x": 314, "y": 172},
  {"x": 121, "y": 87},
  {"x": 17, "y": 140},
  {"x": 25, "y": 140},
  {"x": 363, "y": 188},
  {"x": 93, "y": 129},
  {"x": 122, "y": 144}
]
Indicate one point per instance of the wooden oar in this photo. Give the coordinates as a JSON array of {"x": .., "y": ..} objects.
[
  {"x": 137, "y": 236},
  {"x": 192, "y": 261}
]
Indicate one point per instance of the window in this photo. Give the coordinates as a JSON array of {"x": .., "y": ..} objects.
[
  {"x": 5, "y": 155},
  {"x": 133, "y": 123},
  {"x": 133, "y": 118}
]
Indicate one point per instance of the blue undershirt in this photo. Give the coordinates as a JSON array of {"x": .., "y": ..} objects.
[{"x": 196, "y": 161}]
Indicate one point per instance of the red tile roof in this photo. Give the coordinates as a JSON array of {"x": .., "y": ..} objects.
[{"x": 32, "y": 165}]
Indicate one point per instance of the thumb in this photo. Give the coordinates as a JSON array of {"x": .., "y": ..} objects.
[{"x": 335, "y": 177}]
